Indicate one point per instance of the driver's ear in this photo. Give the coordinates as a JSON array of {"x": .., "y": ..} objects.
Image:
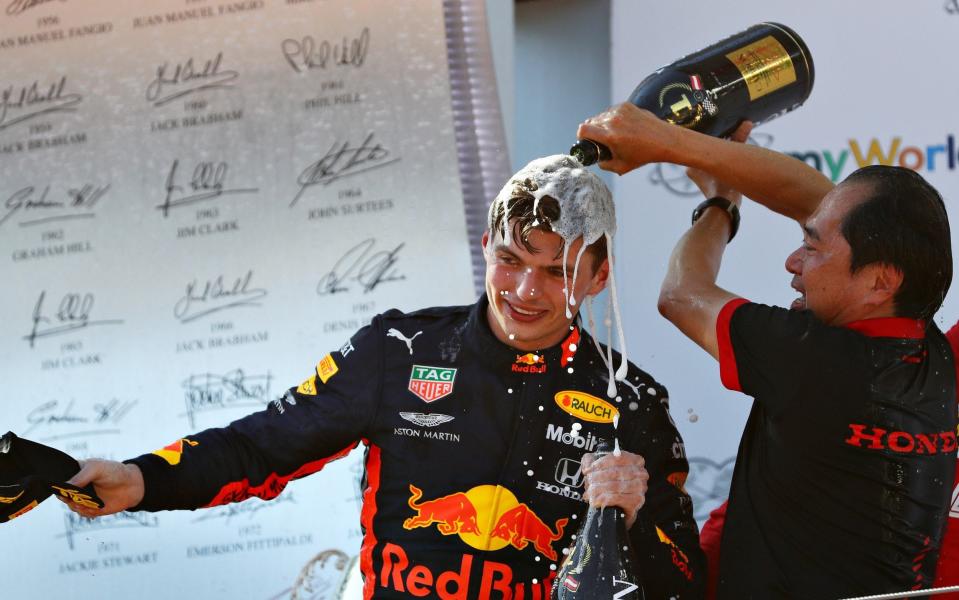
[{"x": 600, "y": 278}]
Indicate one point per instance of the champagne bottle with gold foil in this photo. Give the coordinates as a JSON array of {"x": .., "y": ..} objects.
[
  {"x": 755, "y": 75},
  {"x": 601, "y": 564}
]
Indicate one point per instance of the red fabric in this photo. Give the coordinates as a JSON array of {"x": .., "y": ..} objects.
[
  {"x": 947, "y": 570},
  {"x": 896, "y": 327},
  {"x": 728, "y": 371},
  {"x": 238, "y": 491},
  {"x": 709, "y": 539},
  {"x": 366, "y": 519}
]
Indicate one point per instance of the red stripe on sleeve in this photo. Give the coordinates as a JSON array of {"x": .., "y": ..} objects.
[
  {"x": 272, "y": 486},
  {"x": 366, "y": 519},
  {"x": 728, "y": 371}
]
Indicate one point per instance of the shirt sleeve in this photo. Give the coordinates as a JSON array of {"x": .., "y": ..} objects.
[
  {"x": 665, "y": 535},
  {"x": 312, "y": 424},
  {"x": 766, "y": 351}
]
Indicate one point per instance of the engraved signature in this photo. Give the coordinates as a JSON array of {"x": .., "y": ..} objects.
[
  {"x": 79, "y": 204},
  {"x": 75, "y": 524},
  {"x": 208, "y": 391},
  {"x": 186, "y": 78},
  {"x": 308, "y": 54},
  {"x": 343, "y": 160},
  {"x": 53, "y": 415},
  {"x": 18, "y": 6},
  {"x": 362, "y": 265},
  {"x": 72, "y": 315},
  {"x": 215, "y": 295},
  {"x": 31, "y": 101},
  {"x": 206, "y": 184}
]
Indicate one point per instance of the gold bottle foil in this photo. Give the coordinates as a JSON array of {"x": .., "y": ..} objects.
[{"x": 765, "y": 65}]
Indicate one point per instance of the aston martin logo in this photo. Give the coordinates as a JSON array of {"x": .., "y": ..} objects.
[{"x": 426, "y": 420}]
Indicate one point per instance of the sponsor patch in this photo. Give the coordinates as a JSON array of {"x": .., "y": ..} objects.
[
  {"x": 10, "y": 500},
  {"x": 529, "y": 363},
  {"x": 396, "y": 333},
  {"x": 569, "y": 472},
  {"x": 326, "y": 368},
  {"x": 77, "y": 497},
  {"x": 174, "y": 451},
  {"x": 346, "y": 349},
  {"x": 586, "y": 407},
  {"x": 308, "y": 387},
  {"x": 586, "y": 442},
  {"x": 426, "y": 420},
  {"x": 678, "y": 480},
  {"x": 288, "y": 397},
  {"x": 431, "y": 383}
]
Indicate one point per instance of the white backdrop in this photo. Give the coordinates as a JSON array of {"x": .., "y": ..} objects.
[
  {"x": 198, "y": 199},
  {"x": 884, "y": 76}
]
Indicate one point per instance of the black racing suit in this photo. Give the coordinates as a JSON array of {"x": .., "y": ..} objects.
[{"x": 472, "y": 482}]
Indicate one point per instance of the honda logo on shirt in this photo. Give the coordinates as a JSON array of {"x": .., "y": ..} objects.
[{"x": 569, "y": 472}]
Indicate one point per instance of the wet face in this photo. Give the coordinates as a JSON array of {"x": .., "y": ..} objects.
[
  {"x": 821, "y": 265},
  {"x": 527, "y": 303}
]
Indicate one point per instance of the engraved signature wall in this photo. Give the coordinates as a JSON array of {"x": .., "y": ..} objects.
[{"x": 198, "y": 199}]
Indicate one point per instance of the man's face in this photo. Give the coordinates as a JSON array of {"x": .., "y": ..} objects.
[
  {"x": 527, "y": 305},
  {"x": 821, "y": 266}
]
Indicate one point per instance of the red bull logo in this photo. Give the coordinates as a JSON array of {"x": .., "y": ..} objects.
[
  {"x": 400, "y": 573},
  {"x": 520, "y": 526},
  {"x": 529, "y": 363},
  {"x": 174, "y": 451},
  {"x": 454, "y": 513},
  {"x": 487, "y": 517}
]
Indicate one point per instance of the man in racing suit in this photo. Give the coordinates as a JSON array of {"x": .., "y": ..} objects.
[{"x": 475, "y": 421}]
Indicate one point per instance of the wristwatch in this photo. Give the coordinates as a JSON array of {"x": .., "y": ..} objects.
[{"x": 731, "y": 209}]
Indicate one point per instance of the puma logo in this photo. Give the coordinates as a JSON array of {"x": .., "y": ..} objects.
[{"x": 396, "y": 333}]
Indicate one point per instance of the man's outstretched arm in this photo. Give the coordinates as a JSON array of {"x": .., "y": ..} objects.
[
  {"x": 689, "y": 296},
  {"x": 779, "y": 182}
]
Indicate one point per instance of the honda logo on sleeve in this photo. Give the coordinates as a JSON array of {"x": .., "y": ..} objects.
[{"x": 569, "y": 472}]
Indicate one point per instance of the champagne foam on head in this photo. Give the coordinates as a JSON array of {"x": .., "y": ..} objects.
[
  {"x": 585, "y": 211},
  {"x": 585, "y": 203}
]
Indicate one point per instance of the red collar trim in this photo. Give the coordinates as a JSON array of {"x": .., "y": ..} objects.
[{"x": 893, "y": 327}]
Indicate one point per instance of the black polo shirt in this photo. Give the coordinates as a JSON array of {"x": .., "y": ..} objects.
[{"x": 845, "y": 468}]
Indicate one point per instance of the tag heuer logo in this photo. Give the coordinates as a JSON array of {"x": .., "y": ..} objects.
[
  {"x": 431, "y": 383},
  {"x": 426, "y": 420}
]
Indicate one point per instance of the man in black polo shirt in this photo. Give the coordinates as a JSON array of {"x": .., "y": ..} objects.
[{"x": 845, "y": 468}]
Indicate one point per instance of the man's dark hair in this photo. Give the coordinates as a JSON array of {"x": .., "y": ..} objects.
[
  {"x": 902, "y": 223},
  {"x": 519, "y": 207}
]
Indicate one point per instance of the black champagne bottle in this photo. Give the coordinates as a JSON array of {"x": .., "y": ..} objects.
[
  {"x": 755, "y": 75},
  {"x": 601, "y": 563}
]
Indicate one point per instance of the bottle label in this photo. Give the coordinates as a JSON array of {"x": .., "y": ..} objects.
[{"x": 765, "y": 66}]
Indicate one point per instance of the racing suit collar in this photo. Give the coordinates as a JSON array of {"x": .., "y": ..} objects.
[{"x": 488, "y": 346}]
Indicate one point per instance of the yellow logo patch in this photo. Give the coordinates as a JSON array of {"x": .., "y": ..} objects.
[
  {"x": 172, "y": 453},
  {"x": 586, "y": 407},
  {"x": 77, "y": 497},
  {"x": 326, "y": 368},
  {"x": 4, "y": 500},
  {"x": 308, "y": 387}
]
